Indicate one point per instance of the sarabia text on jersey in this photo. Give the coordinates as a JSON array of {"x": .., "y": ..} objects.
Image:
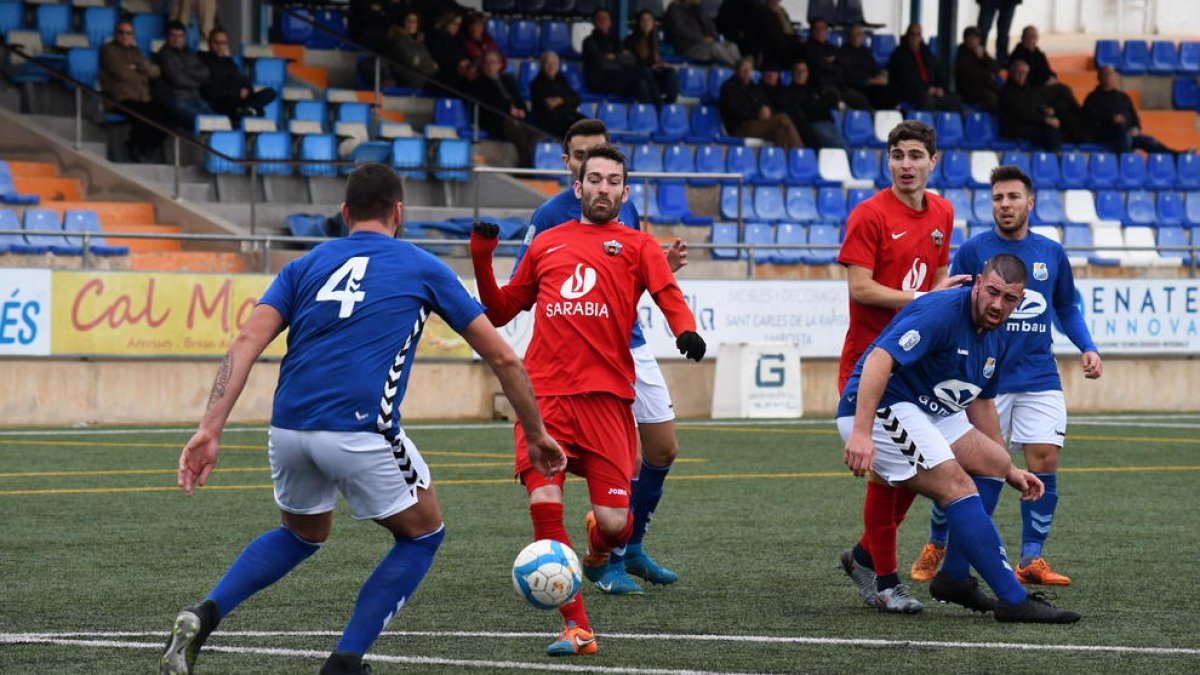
[
  {"x": 586, "y": 281},
  {"x": 902, "y": 247},
  {"x": 1049, "y": 291},
  {"x": 376, "y": 292},
  {"x": 943, "y": 362},
  {"x": 562, "y": 208}
]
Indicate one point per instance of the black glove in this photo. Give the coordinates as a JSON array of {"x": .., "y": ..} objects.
[
  {"x": 486, "y": 230},
  {"x": 691, "y": 345}
]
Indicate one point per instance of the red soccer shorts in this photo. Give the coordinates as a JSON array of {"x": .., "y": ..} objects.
[{"x": 597, "y": 433}]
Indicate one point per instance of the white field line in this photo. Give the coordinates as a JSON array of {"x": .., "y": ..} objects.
[{"x": 760, "y": 639}]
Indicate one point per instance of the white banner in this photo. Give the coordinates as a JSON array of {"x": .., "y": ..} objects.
[
  {"x": 1139, "y": 316},
  {"x": 24, "y": 312},
  {"x": 757, "y": 381}
]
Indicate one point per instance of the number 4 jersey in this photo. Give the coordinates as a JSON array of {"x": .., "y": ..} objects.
[{"x": 352, "y": 306}]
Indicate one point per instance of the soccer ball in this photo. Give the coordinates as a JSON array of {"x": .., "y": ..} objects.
[{"x": 546, "y": 574}]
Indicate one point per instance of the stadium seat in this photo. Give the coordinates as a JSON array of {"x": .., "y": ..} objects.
[
  {"x": 1017, "y": 159},
  {"x": 16, "y": 243},
  {"x": 1135, "y": 58},
  {"x": 744, "y": 160},
  {"x": 50, "y": 20},
  {"x": 643, "y": 120},
  {"x": 42, "y": 228},
  {"x": 527, "y": 72},
  {"x": 1185, "y": 93},
  {"x": 12, "y": 17},
  {"x": 450, "y": 159},
  {"x": 692, "y": 82},
  {"x": 1173, "y": 237},
  {"x": 822, "y": 235},
  {"x": 270, "y": 72},
  {"x": 977, "y": 227},
  {"x": 1048, "y": 208},
  {"x": 273, "y": 145},
  {"x": 885, "y": 121},
  {"x": 706, "y": 124},
  {"x": 724, "y": 233},
  {"x": 956, "y": 169},
  {"x": 296, "y": 26},
  {"x": 790, "y": 233},
  {"x": 547, "y": 155},
  {"x": 833, "y": 165},
  {"x": 498, "y": 29},
  {"x": 709, "y": 159},
  {"x": 231, "y": 144},
  {"x": 856, "y": 196},
  {"x": 1107, "y": 53},
  {"x": 977, "y": 131},
  {"x": 981, "y": 206},
  {"x": 802, "y": 166},
  {"x": 864, "y": 164},
  {"x": 800, "y": 204},
  {"x": 858, "y": 128},
  {"x": 729, "y": 203},
  {"x": 762, "y": 235},
  {"x": 1169, "y": 209},
  {"x": 1189, "y": 58},
  {"x": 148, "y": 27},
  {"x": 1073, "y": 174},
  {"x": 1044, "y": 170},
  {"x": 673, "y": 204},
  {"x": 1051, "y": 232},
  {"x": 982, "y": 163},
  {"x": 768, "y": 203},
  {"x": 679, "y": 158},
  {"x": 322, "y": 147},
  {"x": 831, "y": 204},
  {"x": 524, "y": 38},
  {"x": 1104, "y": 171},
  {"x": 960, "y": 199},
  {"x": 646, "y": 157},
  {"x": 1191, "y": 210},
  {"x": 772, "y": 164},
  {"x": 615, "y": 116},
  {"x": 1187, "y": 171},
  {"x": 1164, "y": 58},
  {"x": 922, "y": 116},
  {"x": 644, "y": 197},
  {"x": 672, "y": 124},
  {"x": 716, "y": 77},
  {"x": 314, "y": 111},
  {"x": 1079, "y": 206},
  {"x": 83, "y": 64},
  {"x": 1110, "y": 205},
  {"x": 1132, "y": 171},
  {"x": 882, "y": 46},
  {"x": 1110, "y": 247},
  {"x": 556, "y": 37},
  {"x": 949, "y": 126},
  {"x": 408, "y": 153},
  {"x": 883, "y": 177},
  {"x": 574, "y": 74},
  {"x": 1078, "y": 242},
  {"x": 80, "y": 221},
  {"x": 98, "y": 24},
  {"x": 1160, "y": 171}
]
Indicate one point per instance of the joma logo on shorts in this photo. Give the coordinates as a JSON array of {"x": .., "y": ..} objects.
[{"x": 617, "y": 491}]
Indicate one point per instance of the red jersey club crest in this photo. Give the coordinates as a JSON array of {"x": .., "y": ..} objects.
[{"x": 613, "y": 247}]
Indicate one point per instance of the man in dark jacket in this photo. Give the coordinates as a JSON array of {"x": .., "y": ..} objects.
[
  {"x": 1048, "y": 91},
  {"x": 504, "y": 108},
  {"x": 554, "y": 101},
  {"x": 975, "y": 72},
  {"x": 127, "y": 76},
  {"x": 913, "y": 75},
  {"x": 693, "y": 35},
  {"x": 861, "y": 73},
  {"x": 610, "y": 68},
  {"x": 228, "y": 91},
  {"x": 1022, "y": 116},
  {"x": 1116, "y": 121},
  {"x": 810, "y": 107},
  {"x": 746, "y": 112},
  {"x": 182, "y": 76}
]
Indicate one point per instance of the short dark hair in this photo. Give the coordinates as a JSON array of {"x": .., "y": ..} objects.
[
  {"x": 606, "y": 151},
  {"x": 176, "y": 25},
  {"x": 912, "y": 130},
  {"x": 372, "y": 191},
  {"x": 1010, "y": 172},
  {"x": 585, "y": 127},
  {"x": 1009, "y": 267}
]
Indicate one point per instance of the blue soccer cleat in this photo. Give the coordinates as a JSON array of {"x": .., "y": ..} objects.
[
  {"x": 640, "y": 564},
  {"x": 615, "y": 581}
]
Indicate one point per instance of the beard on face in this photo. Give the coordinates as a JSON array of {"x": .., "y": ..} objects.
[{"x": 601, "y": 213}]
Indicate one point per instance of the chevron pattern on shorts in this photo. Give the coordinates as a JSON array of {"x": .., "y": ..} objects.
[
  {"x": 388, "y": 405},
  {"x": 899, "y": 435}
]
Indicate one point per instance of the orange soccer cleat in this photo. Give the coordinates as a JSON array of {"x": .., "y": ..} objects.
[
  {"x": 594, "y": 564},
  {"x": 573, "y": 641},
  {"x": 1038, "y": 572},
  {"x": 926, "y": 564}
]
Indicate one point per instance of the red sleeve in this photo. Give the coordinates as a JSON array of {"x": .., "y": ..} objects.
[
  {"x": 862, "y": 238},
  {"x": 501, "y": 304},
  {"x": 674, "y": 307},
  {"x": 948, "y": 232},
  {"x": 656, "y": 273},
  {"x": 664, "y": 289}
]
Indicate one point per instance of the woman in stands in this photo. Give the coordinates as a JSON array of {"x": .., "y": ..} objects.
[
  {"x": 643, "y": 42},
  {"x": 478, "y": 41}
]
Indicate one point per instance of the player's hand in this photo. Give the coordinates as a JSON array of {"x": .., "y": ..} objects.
[
  {"x": 198, "y": 459},
  {"x": 691, "y": 345},
  {"x": 677, "y": 255},
  {"x": 1029, "y": 485},
  {"x": 952, "y": 281},
  {"x": 1093, "y": 367},
  {"x": 859, "y": 453},
  {"x": 484, "y": 238},
  {"x": 546, "y": 456}
]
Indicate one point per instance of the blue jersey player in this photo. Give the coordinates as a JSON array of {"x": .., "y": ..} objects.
[
  {"x": 354, "y": 308},
  {"x": 652, "y": 407},
  {"x": 1033, "y": 415},
  {"x": 925, "y": 385}
]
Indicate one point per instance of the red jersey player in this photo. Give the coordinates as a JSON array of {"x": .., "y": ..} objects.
[
  {"x": 585, "y": 277},
  {"x": 897, "y": 247}
]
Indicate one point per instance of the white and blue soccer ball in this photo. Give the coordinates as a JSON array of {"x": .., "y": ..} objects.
[{"x": 546, "y": 574}]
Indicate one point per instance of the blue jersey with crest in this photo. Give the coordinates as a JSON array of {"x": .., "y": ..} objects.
[
  {"x": 1049, "y": 291},
  {"x": 355, "y": 308},
  {"x": 943, "y": 362},
  {"x": 563, "y": 208}
]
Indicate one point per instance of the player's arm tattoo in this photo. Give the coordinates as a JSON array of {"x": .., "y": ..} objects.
[{"x": 221, "y": 384}]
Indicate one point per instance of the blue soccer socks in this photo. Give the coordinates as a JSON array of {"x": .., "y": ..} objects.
[
  {"x": 264, "y": 561},
  {"x": 647, "y": 491},
  {"x": 937, "y": 526},
  {"x": 1036, "y": 518},
  {"x": 956, "y": 563},
  {"x": 974, "y": 533}
]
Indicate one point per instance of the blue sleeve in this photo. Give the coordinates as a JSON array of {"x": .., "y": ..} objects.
[
  {"x": 993, "y": 382},
  {"x": 281, "y": 294},
  {"x": 449, "y": 296},
  {"x": 629, "y": 216},
  {"x": 966, "y": 260},
  {"x": 915, "y": 332},
  {"x": 530, "y": 233},
  {"x": 1068, "y": 312}
]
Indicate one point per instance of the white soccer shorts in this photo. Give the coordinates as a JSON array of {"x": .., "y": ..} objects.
[
  {"x": 652, "y": 401},
  {"x": 1034, "y": 417},
  {"x": 309, "y": 468},
  {"x": 906, "y": 437}
]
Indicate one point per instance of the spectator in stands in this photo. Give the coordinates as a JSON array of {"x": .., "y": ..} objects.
[
  {"x": 503, "y": 108},
  {"x": 125, "y": 75},
  {"x": 694, "y": 36},
  {"x": 478, "y": 40},
  {"x": 988, "y": 10},
  {"x": 643, "y": 42},
  {"x": 779, "y": 39},
  {"x": 1115, "y": 119},
  {"x": 810, "y": 107},
  {"x": 746, "y": 112},
  {"x": 182, "y": 76},
  {"x": 370, "y": 21},
  {"x": 975, "y": 72},
  {"x": 554, "y": 101},
  {"x": 1022, "y": 115},
  {"x": 412, "y": 64},
  {"x": 913, "y": 75},
  {"x": 861, "y": 72},
  {"x": 228, "y": 91},
  {"x": 610, "y": 68},
  {"x": 824, "y": 68},
  {"x": 206, "y": 11},
  {"x": 737, "y": 20},
  {"x": 454, "y": 67},
  {"x": 1048, "y": 90}
]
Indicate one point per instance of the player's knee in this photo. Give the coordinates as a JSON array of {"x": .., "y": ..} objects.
[
  {"x": 660, "y": 454},
  {"x": 613, "y": 524},
  {"x": 546, "y": 493},
  {"x": 1041, "y": 458},
  {"x": 310, "y": 529}
]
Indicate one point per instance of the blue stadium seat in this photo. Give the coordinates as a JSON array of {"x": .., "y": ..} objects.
[
  {"x": 762, "y": 235},
  {"x": 960, "y": 199},
  {"x": 526, "y": 73},
  {"x": 729, "y": 203},
  {"x": 336, "y": 32},
  {"x": 1160, "y": 171},
  {"x": 1135, "y": 58},
  {"x": 270, "y": 72},
  {"x": 644, "y": 197},
  {"x": 1107, "y": 53},
  {"x": 1170, "y": 209},
  {"x": 858, "y": 128},
  {"x": 615, "y": 116},
  {"x": 768, "y": 203},
  {"x": 1191, "y": 210},
  {"x": 949, "y": 126},
  {"x": 672, "y": 124},
  {"x": 1164, "y": 58},
  {"x": 451, "y": 159},
  {"x": 1110, "y": 205},
  {"x": 524, "y": 38},
  {"x": 692, "y": 82},
  {"x": 574, "y": 74},
  {"x": 408, "y": 153},
  {"x": 1171, "y": 237},
  {"x": 1104, "y": 171},
  {"x": 306, "y": 225},
  {"x": 321, "y": 147},
  {"x": 744, "y": 160},
  {"x": 883, "y": 177},
  {"x": 673, "y": 204},
  {"x": 452, "y": 112},
  {"x": 709, "y": 159},
  {"x": 864, "y": 164},
  {"x": 646, "y": 157},
  {"x": 83, "y": 64},
  {"x": 818, "y": 235},
  {"x": 935, "y": 177},
  {"x": 772, "y": 164},
  {"x": 98, "y": 24},
  {"x": 831, "y": 204},
  {"x": 78, "y": 222},
  {"x": 724, "y": 233},
  {"x": 802, "y": 166},
  {"x": 230, "y": 143},
  {"x": 1017, "y": 159},
  {"x": 16, "y": 243},
  {"x": 313, "y": 111},
  {"x": 547, "y": 155},
  {"x": 857, "y": 196},
  {"x": 353, "y": 111},
  {"x": 643, "y": 120},
  {"x": 679, "y": 158},
  {"x": 295, "y": 25},
  {"x": 12, "y": 17},
  {"x": 956, "y": 169},
  {"x": 1048, "y": 208},
  {"x": 498, "y": 29},
  {"x": 882, "y": 46},
  {"x": 148, "y": 27},
  {"x": 1185, "y": 93},
  {"x": 1073, "y": 173},
  {"x": 1189, "y": 57},
  {"x": 716, "y": 77},
  {"x": 1133, "y": 171},
  {"x": 706, "y": 124},
  {"x": 790, "y": 233},
  {"x": 1078, "y": 240},
  {"x": 977, "y": 131},
  {"x": 50, "y": 20},
  {"x": 1187, "y": 171},
  {"x": 273, "y": 145},
  {"x": 1044, "y": 170},
  {"x": 923, "y": 116},
  {"x": 1140, "y": 208},
  {"x": 977, "y": 227},
  {"x": 42, "y": 228},
  {"x": 556, "y": 37},
  {"x": 981, "y": 207},
  {"x": 800, "y": 204}
]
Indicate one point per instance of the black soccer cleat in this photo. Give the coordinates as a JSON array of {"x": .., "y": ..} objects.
[
  {"x": 1035, "y": 609},
  {"x": 192, "y": 627},
  {"x": 345, "y": 663},
  {"x": 965, "y": 592}
]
